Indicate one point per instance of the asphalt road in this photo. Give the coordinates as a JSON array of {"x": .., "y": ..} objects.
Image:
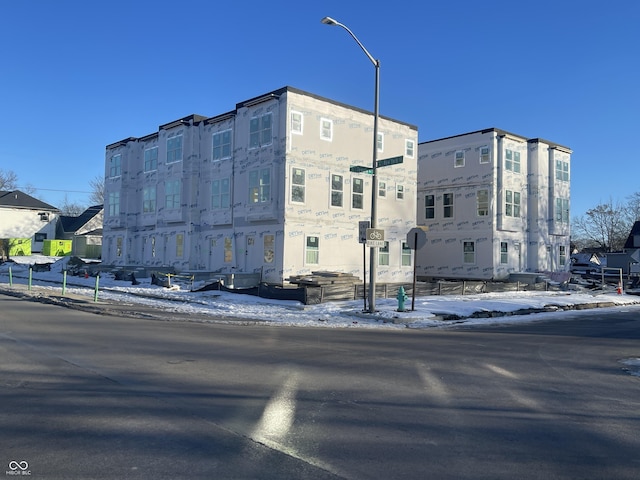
[{"x": 88, "y": 396}]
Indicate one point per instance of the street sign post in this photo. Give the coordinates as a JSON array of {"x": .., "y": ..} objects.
[{"x": 416, "y": 239}]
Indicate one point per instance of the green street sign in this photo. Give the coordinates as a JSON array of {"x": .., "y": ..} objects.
[{"x": 390, "y": 161}]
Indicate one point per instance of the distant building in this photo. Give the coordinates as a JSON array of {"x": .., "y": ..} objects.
[
  {"x": 495, "y": 203},
  {"x": 85, "y": 231},
  {"x": 267, "y": 187},
  {"x": 25, "y": 217}
]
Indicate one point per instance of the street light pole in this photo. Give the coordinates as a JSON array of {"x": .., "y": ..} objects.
[{"x": 374, "y": 187}]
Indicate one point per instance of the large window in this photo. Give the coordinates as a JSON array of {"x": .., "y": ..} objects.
[
  {"x": 357, "y": 193},
  {"x": 260, "y": 132},
  {"x": 296, "y": 122},
  {"x": 383, "y": 254},
  {"x": 220, "y": 193},
  {"x": 562, "y": 171},
  {"x": 512, "y": 203},
  {"x": 406, "y": 254},
  {"x": 115, "y": 166},
  {"x": 172, "y": 194},
  {"x": 429, "y": 206},
  {"x": 260, "y": 186},
  {"x": 151, "y": 159},
  {"x": 504, "y": 253},
  {"x": 114, "y": 203},
  {"x": 337, "y": 185},
  {"x": 222, "y": 145},
  {"x": 562, "y": 210},
  {"x": 409, "y": 148},
  {"x": 312, "y": 252},
  {"x": 149, "y": 199},
  {"x": 469, "y": 252},
  {"x": 512, "y": 161},
  {"x": 269, "y": 248},
  {"x": 179, "y": 245},
  {"x": 298, "y": 185},
  {"x": 484, "y": 155},
  {"x": 482, "y": 203},
  {"x": 326, "y": 129},
  {"x": 174, "y": 149},
  {"x": 447, "y": 205}
]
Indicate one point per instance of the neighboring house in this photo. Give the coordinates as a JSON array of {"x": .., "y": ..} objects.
[
  {"x": 267, "y": 187},
  {"x": 494, "y": 203},
  {"x": 587, "y": 263},
  {"x": 629, "y": 259},
  {"x": 633, "y": 240},
  {"x": 85, "y": 231},
  {"x": 25, "y": 217}
]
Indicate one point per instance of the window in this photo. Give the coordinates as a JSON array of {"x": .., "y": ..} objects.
[
  {"x": 296, "y": 122},
  {"x": 221, "y": 145},
  {"x": 228, "y": 250},
  {"x": 429, "y": 206},
  {"x": 459, "y": 160},
  {"x": 153, "y": 247},
  {"x": 151, "y": 159},
  {"x": 115, "y": 166},
  {"x": 179, "y": 245},
  {"x": 484, "y": 155},
  {"x": 260, "y": 186},
  {"x": 504, "y": 253},
  {"x": 562, "y": 255},
  {"x": 260, "y": 133},
  {"x": 383, "y": 254},
  {"x": 562, "y": 171},
  {"x": 172, "y": 194},
  {"x": 447, "y": 205},
  {"x": 562, "y": 210},
  {"x": 220, "y": 193},
  {"x": 269, "y": 248},
  {"x": 149, "y": 199},
  {"x": 482, "y": 203},
  {"x": 297, "y": 185},
  {"x": 469, "y": 250},
  {"x": 382, "y": 189},
  {"x": 357, "y": 193},
  {"x": 174, "y": 149},
  {"x": 118, "y": 246},
  {"x": 326, "y": 129},
  {"x": 337, "y": 185},
  {"x": 399, "y": 192},
  {"x": 380, "y": 142},
  {"x": 512, "y": 203},
  {"x": 312, "y": 251},
  {"x": 406, "y": 255},
  {"x": 40, "y": 237},
  {"x": 114, "y": 203},
  {"x": 409, "y": 148},
  {"x": 512, "y": 161}
]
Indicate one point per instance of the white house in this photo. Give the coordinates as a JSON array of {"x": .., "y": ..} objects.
[
  {"x": 267, "y": 187},
  {"x": 23, "y": 216},
  {"x": 494, "y": 203}
]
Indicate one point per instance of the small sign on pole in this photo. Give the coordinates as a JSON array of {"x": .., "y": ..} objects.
[{"x": 375, "y": 237}]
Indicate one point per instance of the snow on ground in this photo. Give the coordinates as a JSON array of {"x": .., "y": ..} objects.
[{"x": 428, "y": 313}]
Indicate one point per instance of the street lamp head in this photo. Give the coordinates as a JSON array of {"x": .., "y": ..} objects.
[{"x": 329, "y": 21}]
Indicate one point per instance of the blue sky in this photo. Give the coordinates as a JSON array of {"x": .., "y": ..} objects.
[{"x": 78, "y": 75}]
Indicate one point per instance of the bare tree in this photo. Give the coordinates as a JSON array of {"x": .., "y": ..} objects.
[
  {"x": 603, "y": 226},
  {"x": 71, "y": 209},
  {"x": 97, "y": 190},
  {"x": 8, "y": 180},
  {"x": 632, "y": 210}
]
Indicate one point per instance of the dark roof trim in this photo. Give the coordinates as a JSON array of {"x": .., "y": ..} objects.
[
  {"x": 188, "y": 120},
  {"x": 122, "y": 142},
  {"x": 501, "y": 132},
  {"x": 220, "y": 118},
  {"x": 551, "y": 144}
]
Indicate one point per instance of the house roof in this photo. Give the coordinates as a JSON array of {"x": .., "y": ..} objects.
[
  {"x": 74, "y": 223},
  {"x": 18, "y": 199},
  {"x": 635, "y": 230}
]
